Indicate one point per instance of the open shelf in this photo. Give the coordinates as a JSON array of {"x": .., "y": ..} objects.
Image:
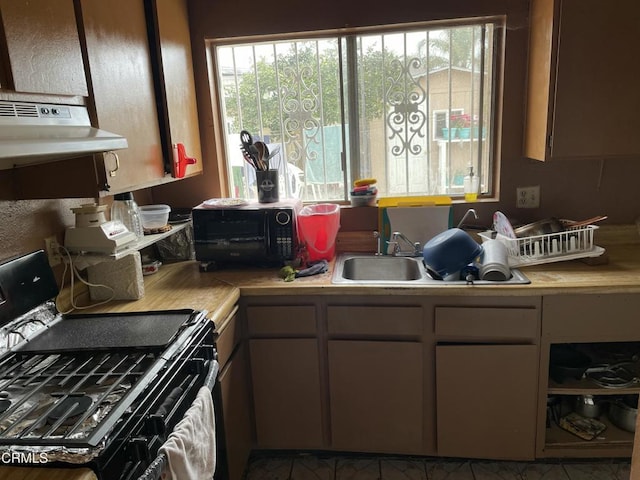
[
  {"x": 613, "y": 442},
  {"x": 557, "y": 437},
  {"x": 87, "y": 259},
  {"x": 587, "y": 387}
]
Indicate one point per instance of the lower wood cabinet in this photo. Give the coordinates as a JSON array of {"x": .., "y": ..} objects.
[
  {"x": 286, "y": 392},
  {"x": 376, "y": 396},
  {"x": 486, "y": 401},
  {"x": 604, "y": 328},
  {"x": 445, "y": 376},
  {"x": 236, "y": 400},
  {"x": 236, "y": 407},
  {"x": 486, "y": 385}
]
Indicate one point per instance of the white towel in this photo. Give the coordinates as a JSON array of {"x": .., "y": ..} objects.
[{"x": 191, "y": 447}]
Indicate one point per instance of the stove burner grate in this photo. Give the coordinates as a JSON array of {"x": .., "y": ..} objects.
[{"x": 65, "y": 396}]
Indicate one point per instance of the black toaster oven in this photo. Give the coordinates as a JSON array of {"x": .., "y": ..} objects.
[{"x": 254, "y": 233}]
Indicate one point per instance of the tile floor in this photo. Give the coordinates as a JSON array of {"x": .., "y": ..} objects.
[{"x": 336, "y": 467}]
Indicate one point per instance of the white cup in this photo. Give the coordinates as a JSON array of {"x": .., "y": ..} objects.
[{"x": 494, "y": 264}]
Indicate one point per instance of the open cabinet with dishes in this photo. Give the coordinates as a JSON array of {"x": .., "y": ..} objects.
[
  {"x": 589, "y": 375},
  {"x": 592, "y": 399}
]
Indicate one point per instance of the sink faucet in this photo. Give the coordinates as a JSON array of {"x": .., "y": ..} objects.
[
  {"x": 397, "y": 252},
  {"x": 471, "y": 211},
  {"x": 376, "y": 235}
]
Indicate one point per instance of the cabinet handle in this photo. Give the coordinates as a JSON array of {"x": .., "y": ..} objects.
[
  {"x": 181, "y": 160},
  {"x": 112, "y": 173}
]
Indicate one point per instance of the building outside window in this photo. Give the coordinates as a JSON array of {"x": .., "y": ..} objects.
[{"x": 412, "y": 107}]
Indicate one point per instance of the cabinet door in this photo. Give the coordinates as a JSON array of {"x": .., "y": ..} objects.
[
  {"x": 236, "y": 412},
  {"x": 286, "y": 393},
  {"x": 123, "y": 91},
  {"x": 43, "y": 52},
  {"x": 175, "y": 83},
  {"x": 376, "y": 398},
  {"x": 582, "y": 84},
  {"x": 486, "y": 401}
]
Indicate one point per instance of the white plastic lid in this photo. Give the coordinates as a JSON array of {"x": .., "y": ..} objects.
[{"x": 155, "y": 208}]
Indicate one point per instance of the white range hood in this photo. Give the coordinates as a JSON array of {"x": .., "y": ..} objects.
[{"x": 32, "y": 133}]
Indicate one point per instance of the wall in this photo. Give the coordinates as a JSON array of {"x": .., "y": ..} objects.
[
  {"x": 25, "y": 224},
  {"x": 575, "y": 190}
]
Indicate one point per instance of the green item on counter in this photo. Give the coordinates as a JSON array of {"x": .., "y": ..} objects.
[{"x": 288, "y": 273}]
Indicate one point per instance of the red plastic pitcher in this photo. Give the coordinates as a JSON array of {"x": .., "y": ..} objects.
[{"x": 318, "y": 226}]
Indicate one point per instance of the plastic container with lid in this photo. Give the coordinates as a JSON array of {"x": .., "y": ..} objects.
[
  {"x": 154, "y": 216},
  {"x": 125, "y": 209}
]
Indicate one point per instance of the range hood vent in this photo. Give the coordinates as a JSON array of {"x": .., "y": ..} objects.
[{"x": 32, "y": 133}]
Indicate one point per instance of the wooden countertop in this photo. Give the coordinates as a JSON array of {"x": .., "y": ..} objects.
[
  {"x": 182, "y": 285},
  {"x": 175, "y": 286},
  {"x": 621, "y": 274}
]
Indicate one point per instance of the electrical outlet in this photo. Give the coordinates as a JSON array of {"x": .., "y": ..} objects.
[
  {"x": 528, "y": 197},
  {"x": 52, "y": 248}
]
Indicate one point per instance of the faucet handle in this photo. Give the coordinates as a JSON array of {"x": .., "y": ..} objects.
[{"x": 395, "y": 247}]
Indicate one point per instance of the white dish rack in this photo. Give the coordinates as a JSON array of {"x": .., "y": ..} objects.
[{"x": 570, "y": 244}]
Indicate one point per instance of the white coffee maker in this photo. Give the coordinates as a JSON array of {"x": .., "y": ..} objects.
[{"x": 94, "y": 234}]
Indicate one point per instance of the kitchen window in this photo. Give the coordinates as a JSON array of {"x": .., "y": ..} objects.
[{"x": 414, "y": 108}]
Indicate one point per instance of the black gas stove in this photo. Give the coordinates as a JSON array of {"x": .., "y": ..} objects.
[{"x": 101, "y": 390}]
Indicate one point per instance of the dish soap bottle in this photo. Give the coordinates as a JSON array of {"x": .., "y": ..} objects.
[
  {"x": 471, "y": 183},
  {"x": 125, "y": 209}
]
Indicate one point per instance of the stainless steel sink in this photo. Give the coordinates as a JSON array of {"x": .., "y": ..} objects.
[
  {"x": 381, "y": 268},
  {"x": 368, "y": 269}
]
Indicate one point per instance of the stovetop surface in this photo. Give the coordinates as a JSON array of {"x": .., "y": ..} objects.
[{"x": 109, "y": 332}]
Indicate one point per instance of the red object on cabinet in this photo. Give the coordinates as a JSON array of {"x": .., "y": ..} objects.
[{"x": 181, "y": 160}]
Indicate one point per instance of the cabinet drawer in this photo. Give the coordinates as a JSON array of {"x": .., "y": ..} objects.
[
  {"x": 282, "y": 320},
  {"x": 376, "y": 321},
  {"x": 483, "y": 323},
  {"x": 229, "y": 336},
  {"x": 607, "y": 317}
]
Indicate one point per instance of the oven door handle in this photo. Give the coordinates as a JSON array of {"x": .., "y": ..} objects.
[
  {"x": 171, "y": 399},
  {"x": 155, "y": 423},
  {"x": 212, "y": 374}
]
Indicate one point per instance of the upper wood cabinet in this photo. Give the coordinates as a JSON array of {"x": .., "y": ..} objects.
[
  {"x": 41, "y": 48},
  {"x": 582, "y": 92},
  {"x": 137, "y": 59},
  {"x": 123, "y": 93},
  {"x": 175, "y": 85}
]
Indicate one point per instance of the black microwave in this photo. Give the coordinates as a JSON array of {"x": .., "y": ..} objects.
[{"x": 262, "y": 234}]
